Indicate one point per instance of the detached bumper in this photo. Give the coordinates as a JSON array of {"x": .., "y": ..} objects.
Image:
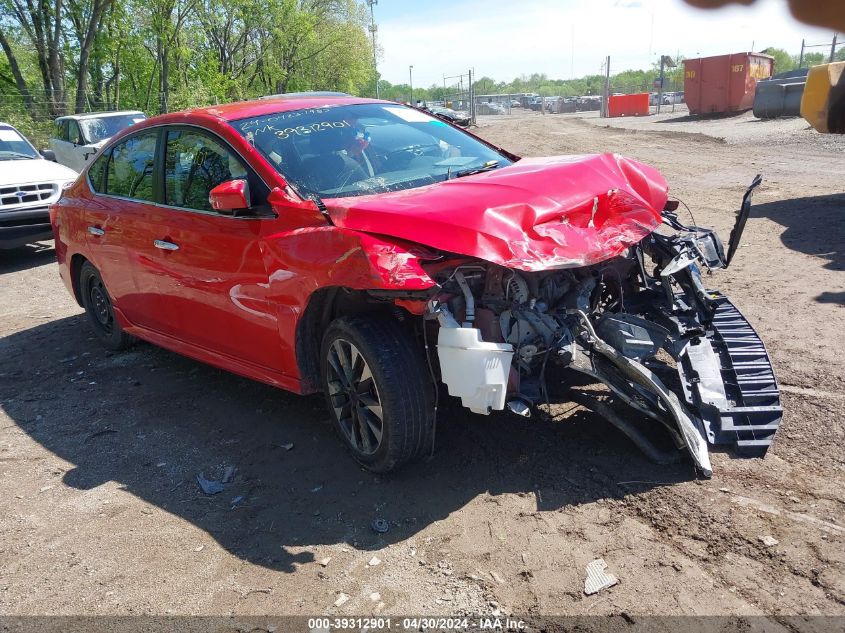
[
  {"x": 21, "y": 227},
  {"x": 728, "y": 379}
]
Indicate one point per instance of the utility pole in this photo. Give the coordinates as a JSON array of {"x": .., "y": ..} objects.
[
  {"x": 660, "y": 87},
  {"x": 411, "y": 82},
  {"x": 471, "y": 98},
  {"x": 373, "y": 29},
  {"x": 801, "y": 58},
  {"x": 832, "y": 49},
  {"x": 606, "y": 96}
]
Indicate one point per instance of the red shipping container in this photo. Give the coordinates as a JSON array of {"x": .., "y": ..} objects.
[
  {"x": 724, "y": 83},
  {"x": 628, "y": 105}
]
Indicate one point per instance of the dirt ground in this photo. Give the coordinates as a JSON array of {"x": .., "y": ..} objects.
[{"x": 101, "y": 513}]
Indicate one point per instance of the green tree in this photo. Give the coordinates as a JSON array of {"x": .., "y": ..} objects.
[
  {"x": 814, "y": 59},
  {"x": 485, "y": 86},
  {"x": 783, "y": 60}
]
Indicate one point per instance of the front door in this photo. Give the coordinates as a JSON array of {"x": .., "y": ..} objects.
[
  {"x": 212, "y": 280},
  {"x": 61, "y": 145},
  {"x": 69, "y": 146}
]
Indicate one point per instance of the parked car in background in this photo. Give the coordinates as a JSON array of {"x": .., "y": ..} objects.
[
  {"x": 77, "y": 137},
  {"x": 536, "y": 104},
  {"x": 349, "y": 246},
  {"x": 515, "y": 103},
  {"x": 491, "y": 107},
  {"x": 588, "y": 103},
  {"x": 28, "y": 184},
  {"x": 560, "y": 105},
  {"x": 672, "y": 98},
  {"x": 457, "y": 117}
]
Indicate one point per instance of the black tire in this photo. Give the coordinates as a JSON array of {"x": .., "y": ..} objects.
[
  {"x": 98, "y": 306},
  {"x": 400, "y": 386}
]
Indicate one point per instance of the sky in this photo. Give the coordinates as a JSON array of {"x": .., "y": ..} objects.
[{"x": 504, "y": 39}]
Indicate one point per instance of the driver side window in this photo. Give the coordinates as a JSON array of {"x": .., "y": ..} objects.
[
  {"x": 194, "y": 164},
  {"x": 73, "y": 132}
]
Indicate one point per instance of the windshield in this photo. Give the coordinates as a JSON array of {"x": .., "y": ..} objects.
[
  {"x": 100, "y": 129},
  {"x": 342, "y": 151},
  {"x": 13, "y": 146}
]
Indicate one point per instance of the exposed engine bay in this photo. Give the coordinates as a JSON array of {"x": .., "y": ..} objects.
[{"x": 643, "y": 323}]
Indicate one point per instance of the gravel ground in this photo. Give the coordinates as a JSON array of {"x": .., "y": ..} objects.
[
  {"x": 99, "y": 452},
  {"x": 734, "y": 129}
]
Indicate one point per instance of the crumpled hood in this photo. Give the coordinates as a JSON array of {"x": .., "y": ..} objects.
[{"x": 537, "y": 214}]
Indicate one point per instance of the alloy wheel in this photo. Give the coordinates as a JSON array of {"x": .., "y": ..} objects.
[{"x": 354, "y": 397}]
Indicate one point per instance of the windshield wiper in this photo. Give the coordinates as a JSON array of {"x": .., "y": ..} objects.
[
  {"x": 16, "y": 155},
  {"x": 490, "y": 165}
]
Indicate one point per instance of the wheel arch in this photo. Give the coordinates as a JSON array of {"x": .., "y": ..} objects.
[
  {"x": 324, "y": 306},
  {"x": 76, "y": 262}
]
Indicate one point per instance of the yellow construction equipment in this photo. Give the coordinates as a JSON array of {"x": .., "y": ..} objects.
[{"x": 823, "y": 103}]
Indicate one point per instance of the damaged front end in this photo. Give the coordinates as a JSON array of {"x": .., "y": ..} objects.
[{"x": 643, "y": 323}]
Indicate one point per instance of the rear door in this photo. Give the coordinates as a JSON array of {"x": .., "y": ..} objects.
[
  {"x": 121, "y": 225},
  {"x": 212, "y": 280}
]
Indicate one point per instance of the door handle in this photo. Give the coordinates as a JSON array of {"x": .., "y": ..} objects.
[
  {"x": 96, "y": 230},
  {"x": 166, "y": 246}
]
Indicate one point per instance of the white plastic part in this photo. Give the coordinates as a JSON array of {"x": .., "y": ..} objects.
[{"x": 474, "y": 370}]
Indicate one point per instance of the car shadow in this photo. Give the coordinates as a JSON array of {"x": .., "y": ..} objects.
[
  {"x": 25, "y": 257},
  {"x": 152, "y": 420},
  {"x": 815, "y": 225}
]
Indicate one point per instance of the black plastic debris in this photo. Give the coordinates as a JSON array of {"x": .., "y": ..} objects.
[{"x": 208, "y": 486}]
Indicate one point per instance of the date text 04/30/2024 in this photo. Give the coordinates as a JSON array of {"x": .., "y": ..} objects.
[{"x": 386, "y": 623}]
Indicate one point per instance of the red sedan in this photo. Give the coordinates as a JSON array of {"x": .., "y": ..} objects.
[{"x": 371, "y": 251}]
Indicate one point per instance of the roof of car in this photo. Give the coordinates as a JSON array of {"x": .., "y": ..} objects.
[
  {"x": 278, "y": 103},
  {"x": 98, "y": 115}
]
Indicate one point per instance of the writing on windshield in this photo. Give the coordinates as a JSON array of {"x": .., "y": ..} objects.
[{"x": 363, "y": 149}]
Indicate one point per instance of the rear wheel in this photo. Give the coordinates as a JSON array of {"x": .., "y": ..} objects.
[
  {"x": 378, "y": 389},
  {"x": 98, "y": 307}
]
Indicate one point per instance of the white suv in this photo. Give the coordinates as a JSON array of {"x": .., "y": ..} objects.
[
  {"x": 78, "y": 136},
  {"x": 28, "y": 185}
]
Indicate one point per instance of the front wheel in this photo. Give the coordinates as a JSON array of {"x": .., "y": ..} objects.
[
  {"x": 98, "y": 307},
  {"x": 378, "y": 390}
]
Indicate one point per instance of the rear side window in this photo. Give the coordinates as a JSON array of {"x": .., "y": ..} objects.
[
  {"x": 130, "y": 168},
  {"x": 194, "y": 164},
  {"x": 97, "y": 171}
]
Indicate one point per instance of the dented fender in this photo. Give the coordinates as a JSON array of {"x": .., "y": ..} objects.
[
  {"x": 302, "y": 261},
  {"x": 323, "y": 256}
]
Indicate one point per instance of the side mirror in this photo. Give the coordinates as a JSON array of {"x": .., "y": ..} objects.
[
  {"x": 48, "y": 154},
  {"x": 231, "y": 195}
]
